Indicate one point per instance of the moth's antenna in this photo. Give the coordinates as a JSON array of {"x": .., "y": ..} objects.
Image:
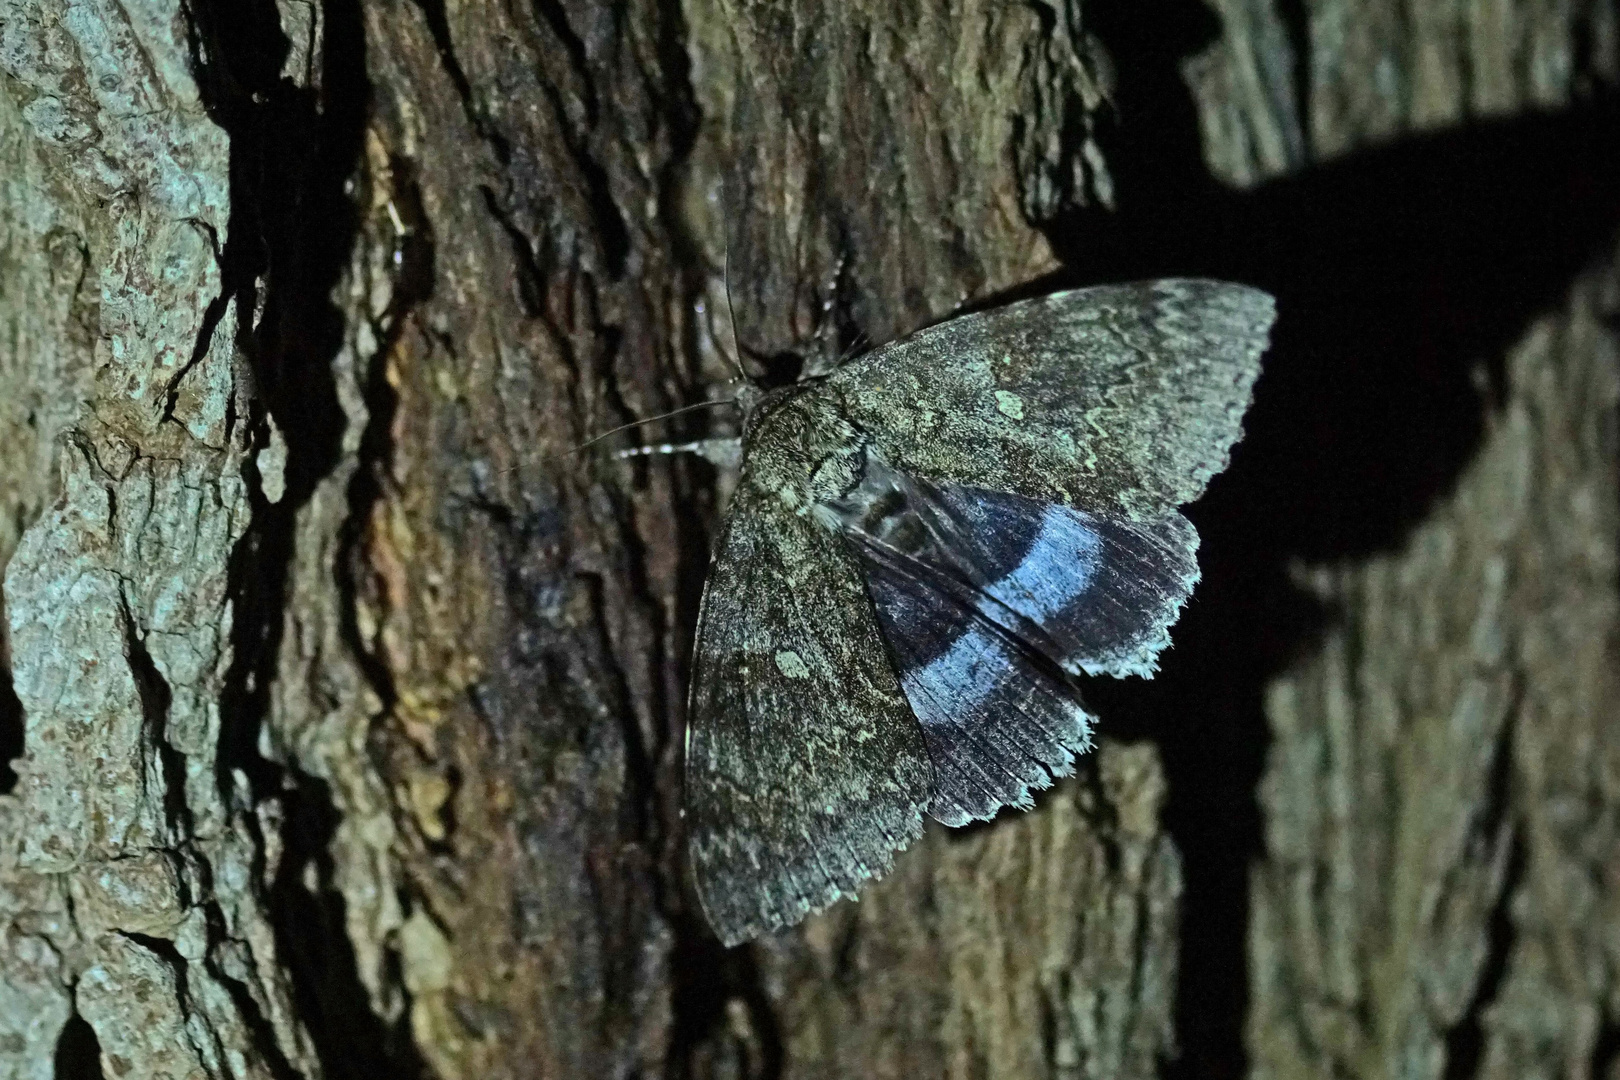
[
  {"x": 653, "y": 419},
  {"x": 657, "y": 449},
  {"x": 725, "y": 281},
  {"x": 859, "y": 342}
]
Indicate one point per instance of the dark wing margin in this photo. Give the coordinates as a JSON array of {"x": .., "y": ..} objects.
[
  {"x": 1122, "y": 399},
  {"x": 805, "y": 767}
]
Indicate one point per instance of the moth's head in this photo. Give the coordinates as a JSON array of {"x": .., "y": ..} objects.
[
  {"x": 756, "y": 402},
  {"x": 757, "y": 383},
  {"x": 747, "y": 396}
]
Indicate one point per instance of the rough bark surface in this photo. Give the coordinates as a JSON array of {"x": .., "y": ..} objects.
[
  {"x": 133, "y": 859},
  {"x": 344, "y": 695}
]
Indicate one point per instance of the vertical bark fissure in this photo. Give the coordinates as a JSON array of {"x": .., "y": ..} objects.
[
  {"x": 155, "y": 697},
  {"x": 78, "y": 1052},
  {"x": 11, "y": 727},
  {"x": 1465, "y": 1041},
  {"x": 294, "y": 148}
]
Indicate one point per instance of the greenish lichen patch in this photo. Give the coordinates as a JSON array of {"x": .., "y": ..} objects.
[
  {"x": 791, "y": 664},
  {"x": 1009, "y": 404}
]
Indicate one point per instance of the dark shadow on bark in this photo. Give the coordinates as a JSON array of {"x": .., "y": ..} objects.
[
  {"x": 313, "y": 942},
  {"x": 294, "y": 151},
  {"x": 1402, "y": 275},
  {"x": 1606, "y": 1051},
  {"x": 78, "y": 1052},
  {"x": 706, "y": 977},
  {"x": 11, "y": 731}
]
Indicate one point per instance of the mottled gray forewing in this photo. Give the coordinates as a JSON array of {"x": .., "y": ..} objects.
[
  {"x": 1121, "y": 399},
  {"x": 805, "y": 768}
]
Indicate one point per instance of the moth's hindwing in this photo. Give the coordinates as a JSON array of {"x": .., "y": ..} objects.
[
  {"x": 805, "y": 768},
  {"x": 998, "y": 721},
  {"x": 989, "y": 602},
  {"x": 1120, "y": 399}
]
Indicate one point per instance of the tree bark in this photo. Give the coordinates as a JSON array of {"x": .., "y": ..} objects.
[
  {"x": 346, "y": 691},
  {"x": 1437, "y": 895}
]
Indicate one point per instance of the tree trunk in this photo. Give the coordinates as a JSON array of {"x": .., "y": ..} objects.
[{"x": 346, "y": 691}]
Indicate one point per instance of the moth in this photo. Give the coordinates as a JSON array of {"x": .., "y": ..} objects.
[{"x": 925, "y": 548}]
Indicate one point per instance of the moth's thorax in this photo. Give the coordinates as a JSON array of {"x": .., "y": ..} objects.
[
  {"x": 758, "y": 404},
  {"x": 802, "y": 451},
  {"x": 818, "y": 463}
]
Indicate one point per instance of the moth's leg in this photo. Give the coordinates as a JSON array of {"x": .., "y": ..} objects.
[
  {"x": 724, "y": 452},
  {"x": 832, "y": 324}
]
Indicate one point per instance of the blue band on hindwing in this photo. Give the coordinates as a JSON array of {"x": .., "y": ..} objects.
[{"x": 1057, "y": 570}]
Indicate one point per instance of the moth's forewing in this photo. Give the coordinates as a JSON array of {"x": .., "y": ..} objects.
[
  {"x": 805, "y": 768},
  {"x": 1122, "y": 400}
]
